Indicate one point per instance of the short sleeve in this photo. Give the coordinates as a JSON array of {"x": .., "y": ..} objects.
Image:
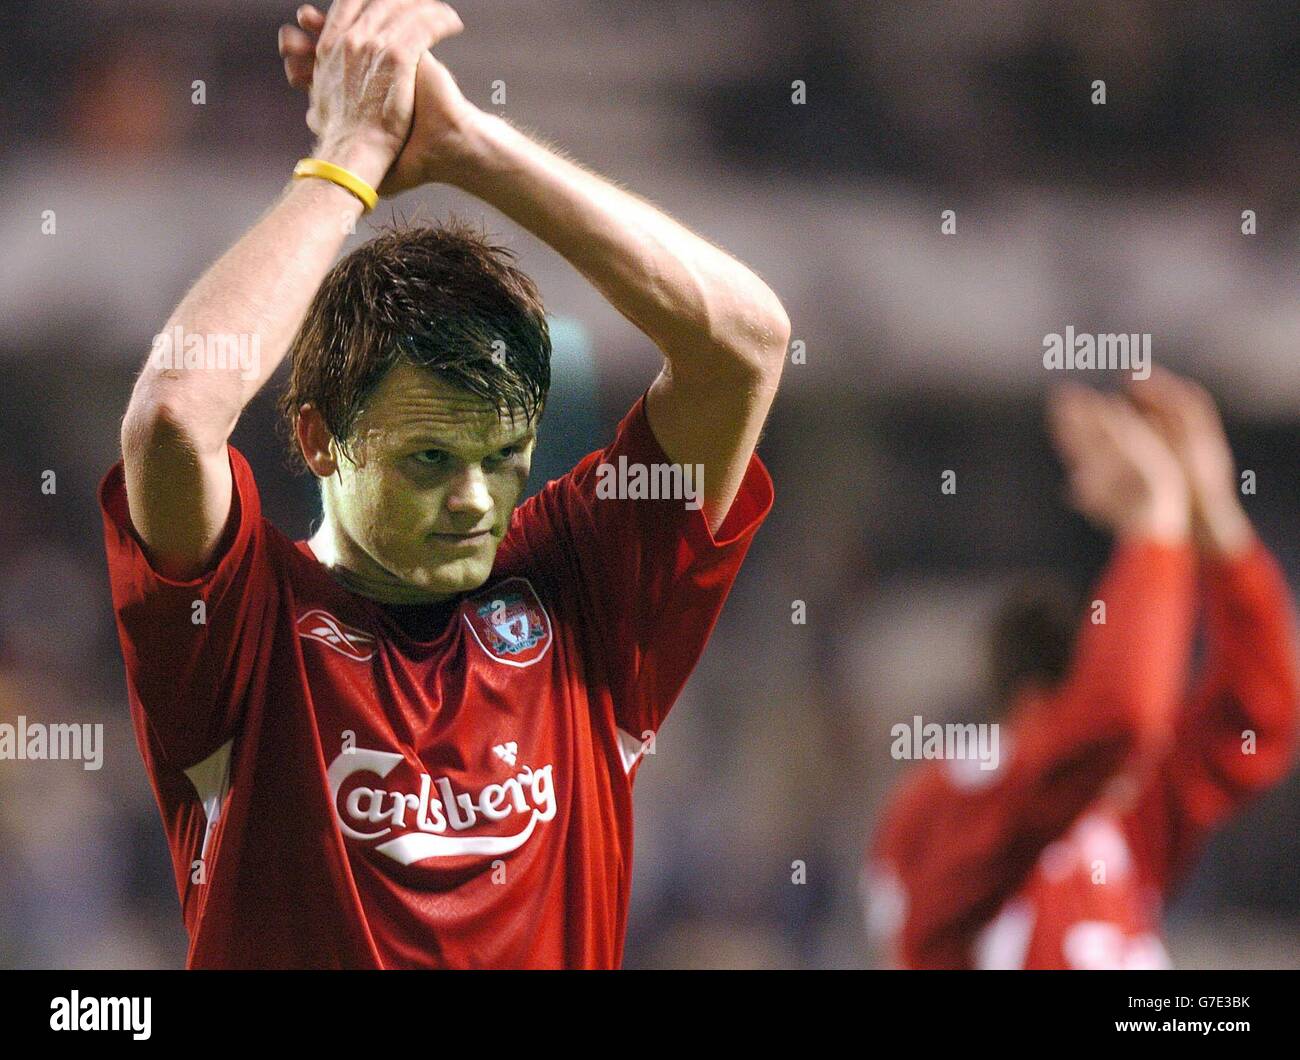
[
  {"x": 190, "y": 647},
  {"x": 650, "y": 572}
]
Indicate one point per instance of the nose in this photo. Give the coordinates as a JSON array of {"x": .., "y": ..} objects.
[{"x": 468, "y": 495}]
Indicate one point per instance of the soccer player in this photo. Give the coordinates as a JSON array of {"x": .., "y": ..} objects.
[
  {"x": 1109, "y": 781},
  {"x": 411, "y": 740}
]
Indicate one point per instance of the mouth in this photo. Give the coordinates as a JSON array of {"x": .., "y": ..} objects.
[{"x": 478, "y": 537}]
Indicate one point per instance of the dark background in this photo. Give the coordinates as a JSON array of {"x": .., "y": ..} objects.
[{"x": 923, "y": 354}]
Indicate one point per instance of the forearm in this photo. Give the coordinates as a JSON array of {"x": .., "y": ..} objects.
[
  {"x": 700, "y": 306},
  {"x": 1130, "y": 658},
  {"x": 1220, "y": 525},
  {"x": 1250, "y": 679},
  {"x": 259, "y": 289}
]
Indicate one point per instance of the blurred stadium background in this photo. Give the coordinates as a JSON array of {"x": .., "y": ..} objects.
[{"x": 923, "y": 354}]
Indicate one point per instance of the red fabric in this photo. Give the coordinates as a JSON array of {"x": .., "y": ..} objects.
[
  {"x": 484, "y": 816},
  {"x": 1065, "y": 856}
]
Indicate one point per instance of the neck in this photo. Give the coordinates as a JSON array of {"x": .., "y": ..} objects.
[{"x": 359, "y": 573}]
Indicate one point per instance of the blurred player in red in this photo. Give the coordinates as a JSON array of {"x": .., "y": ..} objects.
[
  {"x": 1111, "y": 775},
  {"x": 411, "y": 741}
]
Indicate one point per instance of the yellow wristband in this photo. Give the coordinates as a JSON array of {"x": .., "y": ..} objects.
[{"x": 344, "y": 178}]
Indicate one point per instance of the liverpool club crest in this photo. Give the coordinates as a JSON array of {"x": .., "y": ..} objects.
[{"x": 510, "y": 623}]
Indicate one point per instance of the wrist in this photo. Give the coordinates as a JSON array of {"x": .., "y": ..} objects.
[
  {"x": 1223, "y": 529},
  {"x": 369, "y": 161},
  {"x": 465, "y": 157},
  {"x": 325, "y": 194},
  {"x": 1163, "y": 517}
]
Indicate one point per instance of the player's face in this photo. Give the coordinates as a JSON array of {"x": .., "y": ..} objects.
[{"x": 436, "y": 476}]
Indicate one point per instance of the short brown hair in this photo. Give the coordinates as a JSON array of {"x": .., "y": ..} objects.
[
  {"x": 438, "y": 297},
  {"x": 1033, "y": 634}
]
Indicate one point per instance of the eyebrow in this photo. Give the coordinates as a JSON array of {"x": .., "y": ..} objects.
[{"x": 429, "y": 441}]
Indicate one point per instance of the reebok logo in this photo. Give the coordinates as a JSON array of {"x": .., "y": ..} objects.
[{"x": 321, "y": 626}]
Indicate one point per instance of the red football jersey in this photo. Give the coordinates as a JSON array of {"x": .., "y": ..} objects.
[
  {"x": 1065, "y": 855},
  {"x": 339, "y": 794}
]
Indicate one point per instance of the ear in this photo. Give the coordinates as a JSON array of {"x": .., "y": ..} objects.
[{"x": 314, "y": 441}]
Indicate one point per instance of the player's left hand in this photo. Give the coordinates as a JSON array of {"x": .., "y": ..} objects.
[
  {"x": 1185, "y": 415},
  {"x": 438, "y": 141}
]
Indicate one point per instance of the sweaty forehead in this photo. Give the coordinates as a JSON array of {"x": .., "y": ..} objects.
[{"x": 413, "y": 404}]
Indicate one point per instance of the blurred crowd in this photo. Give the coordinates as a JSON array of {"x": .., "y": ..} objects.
[{"x": 142, "y": 137}]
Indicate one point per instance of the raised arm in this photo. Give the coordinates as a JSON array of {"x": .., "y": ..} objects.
[
  {"x": 1237, "y": 734},
  {"x": 722, "y": 331},
  {"x": 960, "y": 849},
  {"x": 180, "y": 417}
]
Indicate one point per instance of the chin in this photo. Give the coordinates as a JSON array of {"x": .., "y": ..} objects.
[{"x": 453, "y": 576}]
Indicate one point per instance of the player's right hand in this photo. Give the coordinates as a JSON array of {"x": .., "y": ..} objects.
[
  {"x": 363, "y": 77},
  {"x": 1122, "y": 474},
  {"x": 1184, "y": 414},
  {"x": 442, "y": 117}
]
